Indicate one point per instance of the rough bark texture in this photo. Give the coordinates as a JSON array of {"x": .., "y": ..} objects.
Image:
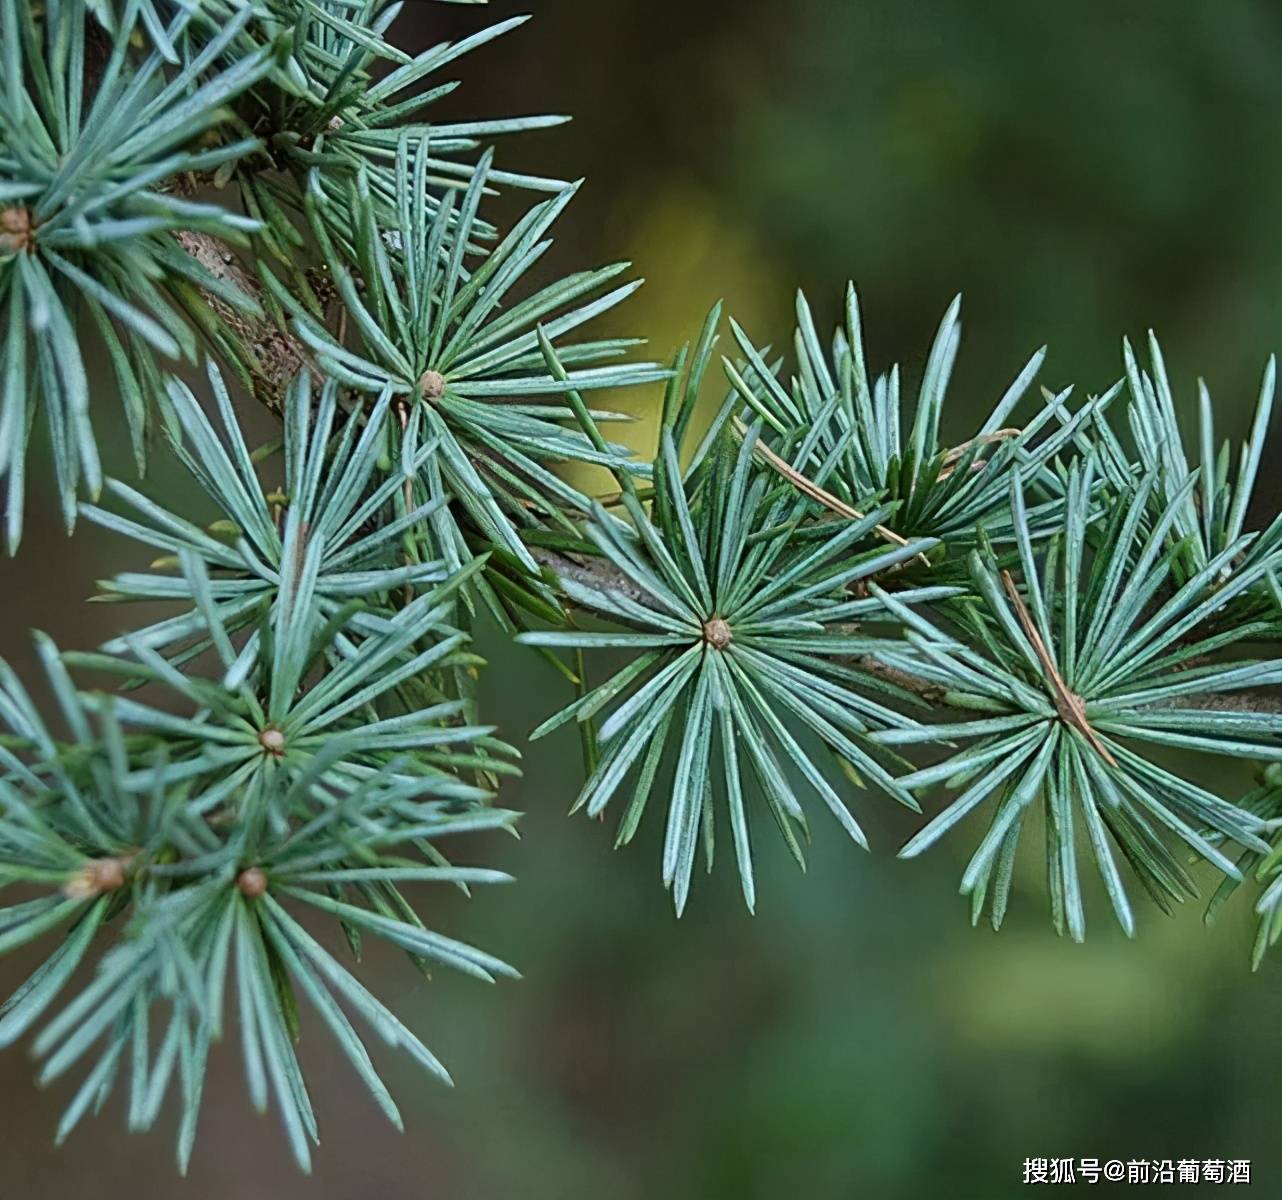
[{"x": 277, "y": 357}]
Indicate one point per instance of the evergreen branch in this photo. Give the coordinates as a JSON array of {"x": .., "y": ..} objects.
[
  {"x": 600, "y": 575},
  {"x": 811, "y": 587}
]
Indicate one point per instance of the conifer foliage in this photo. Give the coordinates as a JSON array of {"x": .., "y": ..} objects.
[{"x": 808, "y": 582}]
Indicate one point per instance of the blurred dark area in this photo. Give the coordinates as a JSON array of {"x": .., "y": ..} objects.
[{"x": 1079, "y": 172}]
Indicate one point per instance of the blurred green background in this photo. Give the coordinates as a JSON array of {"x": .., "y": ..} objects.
[{"x": 1079, "y": 170}]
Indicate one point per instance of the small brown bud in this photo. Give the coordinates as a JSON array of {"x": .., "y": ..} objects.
[
  {"x": 431, "y": 385},
  {"x": 252, "y": 882},
  {"x": 96, "y": 877},
  {"x": 17, "y": 230},
  {"x": 717, "y": 633},
  {"x": 273, "y": 741}
]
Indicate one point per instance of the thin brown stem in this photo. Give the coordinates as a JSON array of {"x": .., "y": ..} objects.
[
  {"x": 955, "y": 455},
  {"x": 1070, "y": 706},
  {"x": 814, "y": 491}
]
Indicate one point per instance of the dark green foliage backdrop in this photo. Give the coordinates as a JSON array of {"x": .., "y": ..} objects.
[{"x": 1079, "y": 171}]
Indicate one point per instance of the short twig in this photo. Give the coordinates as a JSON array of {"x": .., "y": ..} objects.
[
  {"x": 1070, "y": 706},
  {"x": 955, "y": 455},
  {"x": 815, "y": 492}
]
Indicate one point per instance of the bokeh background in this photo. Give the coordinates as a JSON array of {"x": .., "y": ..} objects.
[{"x": 1079, "y": 170}]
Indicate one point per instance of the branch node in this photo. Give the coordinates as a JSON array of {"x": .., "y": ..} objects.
[
  {"x": 431, "y": 386},
  {"x": 252, "y": 882},
  {"x": 96, "y": 877},
  {"x": 716, "y": 632},
  {"x": 17, "y": 230}
]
